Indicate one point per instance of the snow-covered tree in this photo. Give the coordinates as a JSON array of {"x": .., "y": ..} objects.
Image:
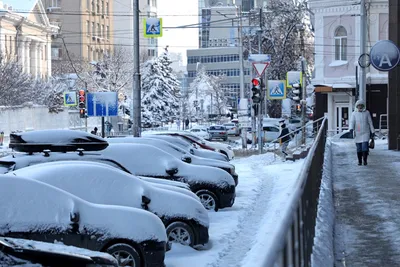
[
  {"x": 218, "y": 100},
  {"x": 50, "y": 94},
  {"x": 160, "y": 90},
  {"x": 281, "y": 39},
  {"x": 197, "y": 90},
  {"x": 112, "y": 74}
]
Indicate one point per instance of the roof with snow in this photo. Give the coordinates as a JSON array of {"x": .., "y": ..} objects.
[{"x": 22, "y": 7}]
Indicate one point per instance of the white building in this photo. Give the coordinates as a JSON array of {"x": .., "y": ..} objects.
[
  {"x": 123, "y": 26},
  {"x": 337, "y": 50},
  {"x": 25, "y": 34}
]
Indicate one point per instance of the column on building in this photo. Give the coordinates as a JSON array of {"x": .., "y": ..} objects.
[
  {"x": 40, "y": 51},
  {"x": 21, "y": 53},
  {"x": 34, "y": 58},
  {"x": 2, "y": 44},
  {"x": 48, "y": 58},
  {"x": 27, "y": 55}
]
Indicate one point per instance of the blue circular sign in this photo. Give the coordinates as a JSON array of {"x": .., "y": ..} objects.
[{"x": 385, "y": 55}]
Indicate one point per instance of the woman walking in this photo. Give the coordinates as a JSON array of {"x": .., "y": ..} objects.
[{"x": 363, "y": 129}]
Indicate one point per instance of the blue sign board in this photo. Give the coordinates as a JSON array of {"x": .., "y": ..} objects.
[
  {"x": 70, "y": 99},
  {"x": 276, "y": 89},
  {"x": 385, "y": 55},
  {"x": 153, "y": 27},
  {"x": 102, "y": 104}
]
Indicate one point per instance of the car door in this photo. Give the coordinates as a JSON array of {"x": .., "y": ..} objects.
[{"x": 271, "y": 133}]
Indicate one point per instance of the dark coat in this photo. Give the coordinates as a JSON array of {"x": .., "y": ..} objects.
[{"x": 285, "y": 131}]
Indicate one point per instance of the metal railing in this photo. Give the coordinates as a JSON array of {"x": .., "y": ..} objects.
[{"x": 293, "y": 242}]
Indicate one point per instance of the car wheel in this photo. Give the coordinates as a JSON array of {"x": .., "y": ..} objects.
[
  {"x": 180, "y": 232},
  {"x": 208, "y": 199},
  {"x": 126, "y": 255}
]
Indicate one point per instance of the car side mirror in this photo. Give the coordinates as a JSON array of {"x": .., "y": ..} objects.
[
  {"x": 187, "y": 159},
  {"x": 145, "y": 202},
  {"x": 171, "y": 171}
]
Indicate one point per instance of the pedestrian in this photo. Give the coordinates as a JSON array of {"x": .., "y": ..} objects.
[
  {"x": 178, "y": 124},
  {"x": 94, "y": 131},
  {"x": 187, "y": 123},
  {"x": 363, "y": 129},
  {"x": 284, "y": 138}
]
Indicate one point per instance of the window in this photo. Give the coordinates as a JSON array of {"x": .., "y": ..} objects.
[
  {"x": 56, "y": 53},
  {"x": 108, "y": 32},
  {"x": 55, "y": 3},
  {"x": 87, "y": 27},
  {"x": 102, "y": 31},
  {"x": 341, "y": 43},
  {"x": 93, "y": 6},
  {"x": 88, "y": 52},
  {"x": 98, "y": 8},
  {"x": 102, "y": 7},
  {"x": 107, "y": 9},
  {"x": 88, "y": 4},
  {"x": 93, "y": 29},
  {"x": 98, "y": 29}
]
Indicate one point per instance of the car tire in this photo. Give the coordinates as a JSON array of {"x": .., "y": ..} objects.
[
  {"x": 122, "y": 252},
  {"x": 208, "y": 199},
  {"x": 180, "y": 232}
]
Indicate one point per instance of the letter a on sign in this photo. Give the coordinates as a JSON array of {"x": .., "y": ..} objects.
[{"x": 385, "y": 60}]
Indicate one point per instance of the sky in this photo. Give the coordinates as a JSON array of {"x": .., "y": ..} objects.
[{"x": 177, "y": 13}]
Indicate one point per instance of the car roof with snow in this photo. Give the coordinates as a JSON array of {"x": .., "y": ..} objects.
[
  {"x": 101, "y": 184},
  {"x": 27, "y": 204}
]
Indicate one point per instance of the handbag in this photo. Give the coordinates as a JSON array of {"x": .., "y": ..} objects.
[{"x": 371, "y": 143}]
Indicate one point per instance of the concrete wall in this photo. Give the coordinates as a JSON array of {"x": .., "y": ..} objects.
[{"x": 38, "y": 118}]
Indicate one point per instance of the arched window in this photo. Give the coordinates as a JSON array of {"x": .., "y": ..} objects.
[{"x": 340, "y": 43}]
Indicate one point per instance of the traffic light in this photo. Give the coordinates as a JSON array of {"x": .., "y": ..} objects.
[
  {"x": 256, "y": 90},
  {"x": 255, "y": 108},
  {"x": 298, "y": 108},
  {"x": 297, "y": 92},
  {"x": 82, "y": 103}
]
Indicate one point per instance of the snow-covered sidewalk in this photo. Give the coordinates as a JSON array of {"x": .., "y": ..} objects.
[{"x": 239, "y": 235}]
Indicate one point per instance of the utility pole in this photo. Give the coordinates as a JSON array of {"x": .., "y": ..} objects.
[
  {"x": 303, "y": 100},
  {"x": 363, "y": 43},
  {"x": 243, "y": 106},
  {"x": 260, "y": 105},
  {"x": 136, "y": 97}
]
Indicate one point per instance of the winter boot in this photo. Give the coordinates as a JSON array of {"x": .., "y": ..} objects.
[
  {"x": 359, "y": 155},
  {"x": 365, "y": 157}
]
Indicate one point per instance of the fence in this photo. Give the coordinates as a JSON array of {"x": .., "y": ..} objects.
[{"x": 293, "y": 242}]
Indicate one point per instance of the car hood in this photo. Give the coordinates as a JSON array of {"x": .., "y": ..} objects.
[
  {"x": 217, "y": 145},
  {"x": 211, "y": 162},
  {"x": 157, "y": 181},
  {"x": 205, "y": 153},
  {"x": 186, "y": 190}
]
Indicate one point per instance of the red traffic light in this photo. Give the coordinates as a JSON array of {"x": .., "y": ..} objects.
[
  {"x": 256, "y": 82},
  {"x": 81, "y": 98},
  {"x": 82, "y": 93}
]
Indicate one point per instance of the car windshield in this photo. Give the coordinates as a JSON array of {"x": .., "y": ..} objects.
[{"x": 6, "y": 166}]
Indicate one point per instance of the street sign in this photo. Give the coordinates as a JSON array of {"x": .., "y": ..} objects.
[
  {"x": 70, "y": 99},
  {"x": 276, "y": 89},
  {"x": 260, "y": 62},
  {"x": 293, "y": 77},
  {"x": 102, "y": 104},
  {"x": 385, "y": 55},
  {"x": 153, "y": 27}
]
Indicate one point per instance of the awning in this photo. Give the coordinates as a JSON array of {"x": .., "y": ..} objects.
[{"x": 336, "y": 87}]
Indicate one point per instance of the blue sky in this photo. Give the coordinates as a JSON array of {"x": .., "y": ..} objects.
[{"x": 177, "y": 13}]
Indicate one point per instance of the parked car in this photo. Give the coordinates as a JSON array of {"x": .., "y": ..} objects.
[
  {"x": 270, "y": 133},
  {"x": 200, "y": 132},
  {"x": 37, "y": 211},
  {"x": 218, "y": 132},
  {"x": 185, "y": 219},
  {"x": 20, "y": 252},
  {"x": 232, "y": 128},
  {"x": 190, "y": 147},
  {"x": 179, "y": 153}
]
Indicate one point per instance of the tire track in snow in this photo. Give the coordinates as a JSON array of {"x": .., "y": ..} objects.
[{"x": 241, "y": 240}]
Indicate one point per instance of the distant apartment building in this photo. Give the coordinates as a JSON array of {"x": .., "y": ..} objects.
[
  {"x": 123, "y": 25},
  {"x": 25, "y": 34},
  {"x": 86, "y": 28}
]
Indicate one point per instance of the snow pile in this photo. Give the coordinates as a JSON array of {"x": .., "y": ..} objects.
[{"x": 322, "y": 255}]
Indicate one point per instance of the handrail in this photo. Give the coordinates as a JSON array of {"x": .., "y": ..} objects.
[{"x": 294, "y": 239}]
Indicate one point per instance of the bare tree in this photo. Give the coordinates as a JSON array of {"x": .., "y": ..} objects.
[{"x": 217, "y": 93}]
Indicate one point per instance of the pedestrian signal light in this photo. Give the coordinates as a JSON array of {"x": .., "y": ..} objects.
[
  {"x": 82, "y": 113},
  {"x": 297, "y": 91}
]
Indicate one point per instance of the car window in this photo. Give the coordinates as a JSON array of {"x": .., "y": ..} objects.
[
  {"x": 195, "y": 130},
  {"x": 217, "y": 128},
  {"x": 6, "y": 166},
  {"x": 270, "y": 129}
]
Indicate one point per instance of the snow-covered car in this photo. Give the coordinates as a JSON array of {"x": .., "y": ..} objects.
[
  {"x": 200, "y": 142},
  {"x": 214, "y": 187},
  {"x": 21, "y": 252},
  {"x": 189, "y": 147},
  {"x": 218, "y": 132},
  {"x": 200, "y": 132},
  {"x": 232, "y": 129},
  {"x": 179, "y": 153},
  {"x": 37, "y": 211},
  {"x": 185, "y": 219}
]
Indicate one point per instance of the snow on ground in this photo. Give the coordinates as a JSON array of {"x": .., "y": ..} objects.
[{"x": 239, "y": 233}]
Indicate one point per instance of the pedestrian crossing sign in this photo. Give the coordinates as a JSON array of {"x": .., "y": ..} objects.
[
  {"x": 70, "y": 99},
  {"x": 152, "y": 27},
  {"x": 276, "y": 89}
]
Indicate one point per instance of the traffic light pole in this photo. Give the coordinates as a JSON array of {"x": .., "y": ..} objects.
[
  {"x": 303, "y": 101},
  {"x": 136, "y": 91}
]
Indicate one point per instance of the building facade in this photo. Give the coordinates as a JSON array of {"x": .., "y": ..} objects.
[
  {"x": 25, "y": 34},
  {"x": 123, "y": 25},
  {"x": 337, "y": 50},
  {"x": 86, "y": 28}
]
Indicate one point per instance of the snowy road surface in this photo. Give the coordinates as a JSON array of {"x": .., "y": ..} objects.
[
  {"x": 238, "y": 234},
  {"x": 367, "y": 207}
]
